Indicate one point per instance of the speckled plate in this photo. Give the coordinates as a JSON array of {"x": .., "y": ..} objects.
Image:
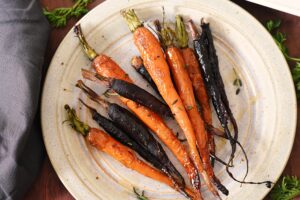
[{"x": 265, "y": 108}]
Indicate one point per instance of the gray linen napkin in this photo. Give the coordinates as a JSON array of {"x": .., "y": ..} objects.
[{"x": 23, "y": 39}]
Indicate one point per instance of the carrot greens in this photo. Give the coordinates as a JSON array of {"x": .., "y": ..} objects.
[
  {"x": 280, "y": 38},
  {"x": 59, "y": 16}
]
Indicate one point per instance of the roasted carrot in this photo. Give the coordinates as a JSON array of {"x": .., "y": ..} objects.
[
  {"x": 151, "y": 119},
  {"x": 136, "y": 130},
  {"x": 156, "y": 65},
  {"x": 133, "y": 92},
  {"x": 141, "y": 96},
  {"x": 193, "y": 69},
  {"x": 118, "y": 151},
  {"x": 157, "y": 126},
  {"x": 185, "y": 90},
  {"x": 123, "y": 137},
  {"x": 207, "y": 57}
]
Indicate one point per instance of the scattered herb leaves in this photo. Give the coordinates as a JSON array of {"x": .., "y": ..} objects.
[
  {"x": 175, "y": 102},
  {"x": 288, "y": 189},
  {"x": 59, "y": 16},
  {"x": 237, "y": 82},
  {"x": 140, "y": 196},
  {"x": 189, "y": 107},
  {"x": 280, "y": 38}
]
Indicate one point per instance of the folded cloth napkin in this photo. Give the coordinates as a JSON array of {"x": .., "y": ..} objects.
[{"x": 23, "y": 39}]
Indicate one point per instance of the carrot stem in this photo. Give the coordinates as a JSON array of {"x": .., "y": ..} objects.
[
  {"x": 180, "y": 32},
  {"x": 92, "y": 94},
  {"x": 76, "y": 124},
  {"x": 89, "y": 51},
  {"x": 132, "y": 19}
]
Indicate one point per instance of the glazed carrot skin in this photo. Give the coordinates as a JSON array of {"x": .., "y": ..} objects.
[
  {"x": 193, "y": 69},
  {"x": 118, "y": 151},
  {"x": 156, "y": 65},
  {"x": 127, "y": 157},
  {"x": 185, "y": 90},
  {"x": 106, "y": 67},
  {"x": 151, "y": 119},
  {"x": 111, "y": 69},
  {"x": 124, "y": 155}
]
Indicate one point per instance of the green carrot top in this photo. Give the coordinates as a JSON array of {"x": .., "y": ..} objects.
[
  {"x": 180, "y": 32},
  {"x": 75, "y": 122},
  {"x": 132, "y": 19}
]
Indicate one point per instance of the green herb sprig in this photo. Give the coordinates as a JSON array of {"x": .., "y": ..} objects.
[
  {"x": 59, "y": 16},
  {"x": 140, "y": 196},
  {"x": 288, "y": 189},
  {"x": 280, "y": 38},
  {"x": 237, "y": 82}
]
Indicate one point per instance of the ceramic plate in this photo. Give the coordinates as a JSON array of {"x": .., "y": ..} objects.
[{"x": 265, "y": 108}]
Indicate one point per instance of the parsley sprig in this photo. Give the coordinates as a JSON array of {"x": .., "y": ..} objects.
[
  {"x": 59, "y": 16},
  {"x": 280, "y": 38},
  {"x": 288, "y": 189}
]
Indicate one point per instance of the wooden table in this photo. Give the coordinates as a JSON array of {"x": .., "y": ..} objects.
[{"x": 48, "y": 186}]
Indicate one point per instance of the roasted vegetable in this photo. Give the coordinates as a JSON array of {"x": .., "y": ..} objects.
[
  {"x": 124, "y": 138},
  {"x": 121, "y": 153},
  {"x": 131, "y": 125},
  {"x": 141, "y": 96},
  {"x": 185, "y": 90},
  {"x": 155, "y": 63},
  {"x": 106, "y": 67},
  {"x": 208, "y": 60}
]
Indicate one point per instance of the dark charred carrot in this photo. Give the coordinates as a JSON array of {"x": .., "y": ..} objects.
[
  {"x": 118, "y": 151},
  {"x": 141, "y": 96},
  {"x": 185, "y": 91},
  {"x": 123, "y": 137},
  {"x": 138, "y": 131},
  {"x": 132, "y": 92},
  {"x": 126, "y": 121},
  {"x": 106, "y": 67},
  {"x": 193, "y": 69},
  {"x": 156, "y": 65},
  {"x": 157, "y": 126},
  {"x": 206, "y": 55}
]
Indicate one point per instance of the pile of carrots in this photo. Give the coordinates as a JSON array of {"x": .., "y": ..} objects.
[{"x": 175, "y": 71}]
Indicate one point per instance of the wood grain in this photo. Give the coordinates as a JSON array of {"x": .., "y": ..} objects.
[{"x": 48, "y": 186}]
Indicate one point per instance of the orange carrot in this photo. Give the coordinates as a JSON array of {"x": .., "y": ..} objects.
[
  {"x": 106, "y": 67},
  {"x": 128, "y": 158},
  {"x": 111, "y": 69},
  {"x": 152, "y": 121},
  {"x": 193, "y": 69},
  {"x": 185, "y": 89},
  {"x": 121, "y": 153},
  {"x": 156, "y": 65}
]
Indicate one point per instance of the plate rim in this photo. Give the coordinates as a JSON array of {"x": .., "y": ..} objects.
[{"x": 111, "y": 3}]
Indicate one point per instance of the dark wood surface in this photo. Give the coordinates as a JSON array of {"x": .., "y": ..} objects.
[{"x": 48, "y": 186}]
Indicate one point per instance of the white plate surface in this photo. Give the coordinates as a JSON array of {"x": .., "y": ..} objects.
[{"x": 265, "y": 109}]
